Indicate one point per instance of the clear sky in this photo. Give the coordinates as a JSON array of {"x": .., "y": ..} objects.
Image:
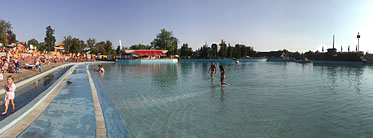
[{"x": 296, "y": 25}]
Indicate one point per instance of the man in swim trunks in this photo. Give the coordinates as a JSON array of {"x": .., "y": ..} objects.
[
  {"x": 212, "y": 69},
  {"x": 222, "y": 75}
]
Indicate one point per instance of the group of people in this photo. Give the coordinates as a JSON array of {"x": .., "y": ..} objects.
[
  {"x": 12, "y": 66},
  {"x": 222, "y": 73}
]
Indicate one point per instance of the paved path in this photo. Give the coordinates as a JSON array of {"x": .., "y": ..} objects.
[
  {"x": 70, "y": 114},
  {"x": 25, "y": 95}
]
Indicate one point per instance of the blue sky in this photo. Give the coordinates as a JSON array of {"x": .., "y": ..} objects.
[{"x": 296, "y": 25}]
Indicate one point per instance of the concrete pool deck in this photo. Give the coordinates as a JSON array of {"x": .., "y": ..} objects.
[{"x": 71, "y": 110}]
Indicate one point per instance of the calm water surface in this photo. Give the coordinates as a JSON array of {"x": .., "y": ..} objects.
[{"x": 264, "y": 99}]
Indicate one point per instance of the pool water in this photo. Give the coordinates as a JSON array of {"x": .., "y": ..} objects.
[{"x": 264, "y": 99}]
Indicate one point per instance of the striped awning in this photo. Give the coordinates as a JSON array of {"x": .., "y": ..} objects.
[{"x": 149, "y": 53}]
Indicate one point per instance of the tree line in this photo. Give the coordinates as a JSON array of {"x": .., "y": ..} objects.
[
  {"x": 71, "y": 44},
  {"x": 165, "y": 40},
  {"x": 217, "y": 51}
]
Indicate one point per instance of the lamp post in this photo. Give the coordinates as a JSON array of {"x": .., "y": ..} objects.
[{"x": 358, "y": 46}]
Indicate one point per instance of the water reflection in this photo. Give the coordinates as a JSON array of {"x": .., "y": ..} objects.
[
  {"x": 48, "y": 78},
  {"x": 222, "y": 94},
  {"x": 36, "y": 84},
  {"x": 336, "y": 74},
  {"x": 162, "y": 76},
  {"x": 185, "y": 69}
]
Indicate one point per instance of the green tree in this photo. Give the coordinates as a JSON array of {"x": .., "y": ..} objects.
[
  {"x": 49, "y": 39},
  {"x": 223, "y": 49},
  {"x": 244, "y": 51},
  {"x": 68, "y": 43},
  {"x": 140, "y": 46},
  {"x": 11, "y": 37},
  {"x": 100, "y": 47},
  {"x": 185, "y": 51},
  {"x": 229, "y": 52},
  {"x": 91, "y": 44},
  {"x": 108, "y": 48},
  {"x": 4, "y": 28},
  {"x": 41, "y": 46},
  {"x": 206, "y": 52},
  {"x": 74, "y": 45},
  {"x": 118, "y": 50},
  {"x": 166, "y": 41},
  {"x": 33, "y": 42}
]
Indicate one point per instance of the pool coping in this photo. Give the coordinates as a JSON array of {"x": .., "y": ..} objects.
[{"x": 99, "y": 116}]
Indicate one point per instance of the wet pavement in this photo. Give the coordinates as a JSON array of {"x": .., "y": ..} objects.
[
  {"x": 70, "y": 114},
  {"x": 24, "y": 95}
]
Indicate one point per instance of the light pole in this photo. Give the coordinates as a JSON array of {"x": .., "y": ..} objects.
[{"x": 358, "y": 46}]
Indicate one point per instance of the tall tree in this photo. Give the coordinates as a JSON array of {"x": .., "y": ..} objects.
[
  {"x": 237, "y": 50},
  {"x": 68, "y": 43},
  {"x": 230, "y": 51},
  {"x": 166, "y": 41},
  {"x": 49, "y": 39},
  {"x": 11, "y": 37},
  {"x": 91, "y": 44},
  {"x": 223, "y": 49},
  {"x": 118, "y": 50},
  {"x": 76, "y": 46},
  {"x": 108, "y": 48},
  {"x": 4, "y": 28}
]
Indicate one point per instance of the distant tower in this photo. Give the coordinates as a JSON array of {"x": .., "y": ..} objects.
[
  {"x": 348, "y": 48},
  {"x": 358, "y": 37},
  {"x": 120, "y": 45},
  {"x": 356, "y": 48},
  {"x": 341, "y": 49},
  {"x": 322, "y": 49},
  {"x": 333, "y": 42}
]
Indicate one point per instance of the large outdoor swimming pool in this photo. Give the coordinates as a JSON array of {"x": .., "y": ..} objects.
[{"x": 264, "y": 99}]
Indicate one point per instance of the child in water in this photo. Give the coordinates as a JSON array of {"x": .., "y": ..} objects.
[
  {"x": 222, "y": 75},
  {"x": 10, "y": 88}
]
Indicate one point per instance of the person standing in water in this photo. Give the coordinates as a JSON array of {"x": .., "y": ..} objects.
[
  {"x": 222, "y": 75},
  {"x": 212, "y": 69}
]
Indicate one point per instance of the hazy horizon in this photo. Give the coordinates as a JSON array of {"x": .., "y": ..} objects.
[{"x": 266, "y": 25}]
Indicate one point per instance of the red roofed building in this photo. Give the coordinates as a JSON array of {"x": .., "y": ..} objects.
[{"x": 144, "y": 54}]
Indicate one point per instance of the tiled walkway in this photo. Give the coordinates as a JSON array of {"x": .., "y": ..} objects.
[{"x": 70, "y": 114}]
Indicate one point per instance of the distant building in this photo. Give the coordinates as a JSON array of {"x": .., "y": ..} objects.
[
  {"x": 272, "y": 54},
  {"x": 144, "y": 54},
  {"x": 250, "y": 48}
]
